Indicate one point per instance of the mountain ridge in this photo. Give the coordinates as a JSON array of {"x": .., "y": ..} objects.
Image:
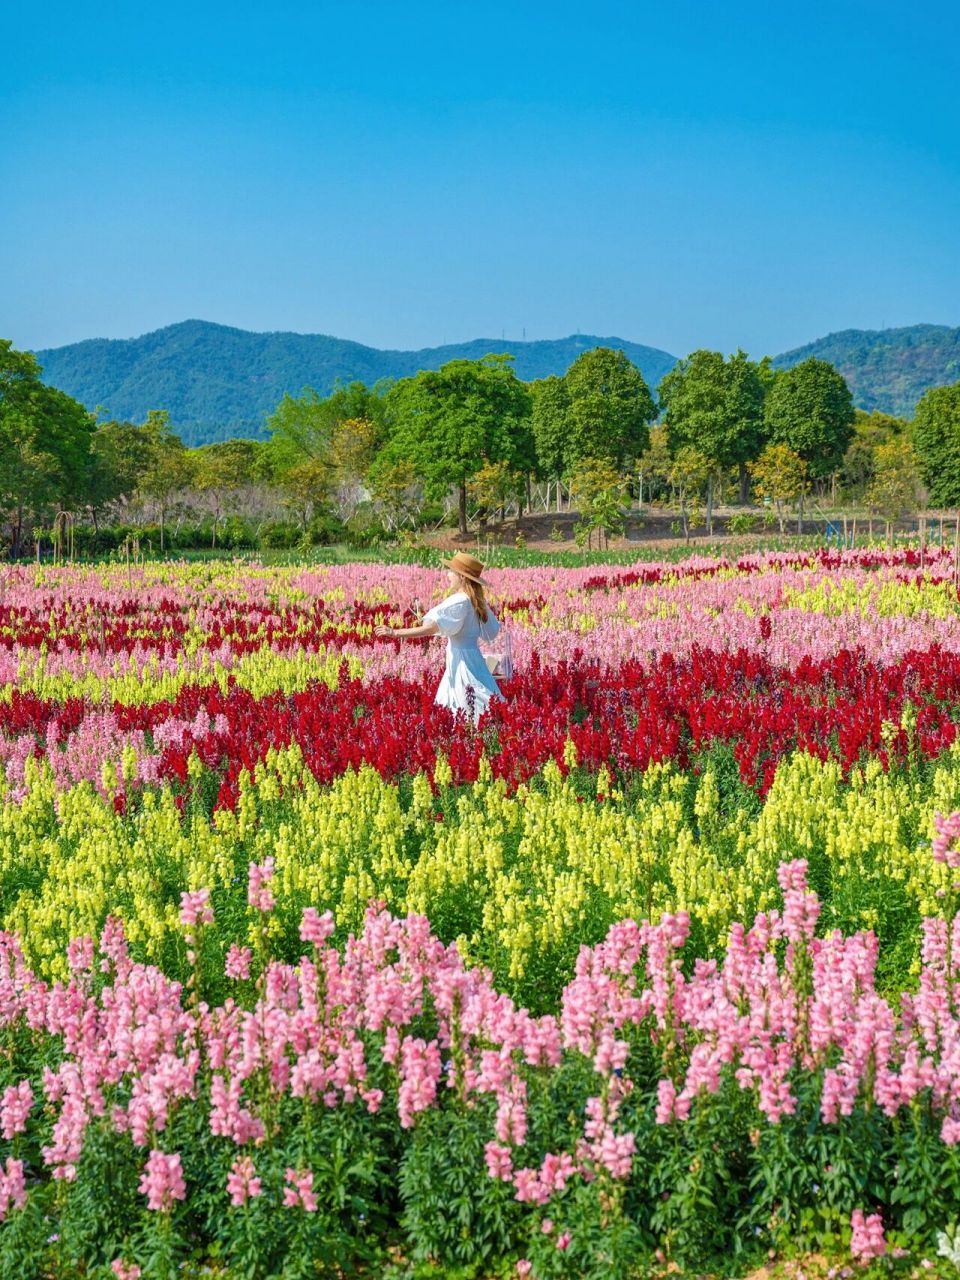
[
  {"x": 217, "y": 380},
  {"x": 887, "y": 369}
]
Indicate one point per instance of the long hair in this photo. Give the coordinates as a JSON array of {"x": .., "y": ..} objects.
[{"x": 477, "y": 598}]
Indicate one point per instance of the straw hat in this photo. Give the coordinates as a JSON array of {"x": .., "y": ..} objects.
[{"x": 467, "y": 567}]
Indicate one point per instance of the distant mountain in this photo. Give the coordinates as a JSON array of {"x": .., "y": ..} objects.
[
  {"x": 888, "y": 369},
  {"x": 218, "y": 382}
]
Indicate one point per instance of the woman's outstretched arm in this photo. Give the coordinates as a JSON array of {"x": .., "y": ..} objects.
[{"x": 407, "y": 633}]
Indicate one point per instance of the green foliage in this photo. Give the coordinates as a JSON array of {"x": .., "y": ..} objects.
[
  {"x": 870, "y": 431},
  {"x": 168, "y": 467},
  {"x": 936, "y": 438},
  {"x": 453, "y": 1211},
  {"x": 893, "y": 489},
  {"x": 448, "y": 424},
  {"x": 598, "y": 491},
  {"x": 610, "y": 406},
  {"x": 809, "y": 408},
  {"x": 551, "y": 404},
  {"x": 218, "y": 382},
  {"x": 888, "y": 369},
  {"x": 715, "y": 406},
  {"x": 44, "y": 443}
]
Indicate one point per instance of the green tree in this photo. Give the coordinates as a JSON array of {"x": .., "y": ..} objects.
[
  {"x": 494, "y": 485},
  {"x": 304, "y": 427},
  {"x": 44, "y": 443},
  {"x": 397, "y": 492},
  {"x": 810, "y": 408},
  {"x": 221, "y": 470},
  {"x": 168, "y": 469},
  {"x": 609, "y": 410},
  {"x": 779, "y": 474},
  {"x": 452, "y": 421},
  {"x": 689, "y": 472},
  {"x": 893, "y": 489},
  {"x": 715, "y": 406},
  {"x": 598, "y": 491},
  {"x": 936, "y": 438},
  {"x": 870, "y": 432},
  {"x": 551, "y": 406},
  {"x": 118, "y": 458},
  {"x": 655, "y": 464}
]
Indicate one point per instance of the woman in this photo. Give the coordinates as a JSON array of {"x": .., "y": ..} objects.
[{"x": 465, "y": 619}]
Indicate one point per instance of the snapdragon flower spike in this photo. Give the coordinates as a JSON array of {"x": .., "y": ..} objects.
[
  {"x": 946, "y": 843},
  {"x": 258, "y": 890},
  {"x": 868, "y": 1240},
  {"x": 133, "y": 1053},
  {"x": 195, "y": 909},
  {"x": 162, "y": 1180}
]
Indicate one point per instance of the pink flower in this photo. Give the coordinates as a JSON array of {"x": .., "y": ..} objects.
[
  {"x": 80, "y": 954},
  {"x": 946, "y": 840},
  {"x": 238, "y": 961},
  {"x": 125, "y": 1270},
  {"x": 316, "y": 928},
  {"x": 524, "y": 1267},
  {"x": 258, "y": 885},
  {"x": 299, "y": 1190},
  {"x": 868, "y": 1240},
  {"x": 242, "y": 1181},
  {"x": 13, "y": 1190},
  {"x": 14, "y": 1109},
  {"x": 195, "y": 908},
  {"x": 162, "y": 1180},
  {"x": 546, "y": 1226},
  {"x": 563, "y": 1241},
  {"x": 499, "y": 1161}
]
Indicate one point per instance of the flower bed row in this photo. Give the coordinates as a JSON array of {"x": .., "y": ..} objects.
[{"x": 389, "y": 1097}]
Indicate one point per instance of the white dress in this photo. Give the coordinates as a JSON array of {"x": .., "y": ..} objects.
[{"x": 467, "y": 684}]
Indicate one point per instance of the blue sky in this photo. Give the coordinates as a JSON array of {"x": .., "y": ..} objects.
[{"x": 685, "y": 174}]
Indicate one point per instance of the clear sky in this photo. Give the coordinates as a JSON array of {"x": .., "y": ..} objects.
[{"x": 680, "y": 174}]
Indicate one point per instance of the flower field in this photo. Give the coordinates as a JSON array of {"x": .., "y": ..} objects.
[{"x": 657, "y": 967}]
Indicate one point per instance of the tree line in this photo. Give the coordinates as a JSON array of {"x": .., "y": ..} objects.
[{"x": 473, "y": 435}]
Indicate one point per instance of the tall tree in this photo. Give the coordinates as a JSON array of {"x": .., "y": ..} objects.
[
  {"x": 780, "y": 475},
  {"x": 936, "y": 439},
  {"x": 610, "y": 409},
  {"x": 44, "y": 443},
  {"x": 893, "y": 489},
  {"x": 168, "y": 468},
  {"x": 551, "y": 406},
  {"x": 222, "y": 469},
  {"x": 715, "y": 406},
  {"x": 810, "y": 408},
  {"x": 118, "y": 458},
  {"x": 450, "y": 422},
  {"x": 302, "y": 428}
]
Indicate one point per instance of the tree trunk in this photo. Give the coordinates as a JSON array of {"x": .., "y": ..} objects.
[
  {"x": 800, "y": 515},
  {"x": 529, "y": 494},
  {"x": 710, "y": 507},
  {"x": 162, "y": 513},
  {"x": 463, "y": 507},
  {"x": 744, "y": 483}
]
